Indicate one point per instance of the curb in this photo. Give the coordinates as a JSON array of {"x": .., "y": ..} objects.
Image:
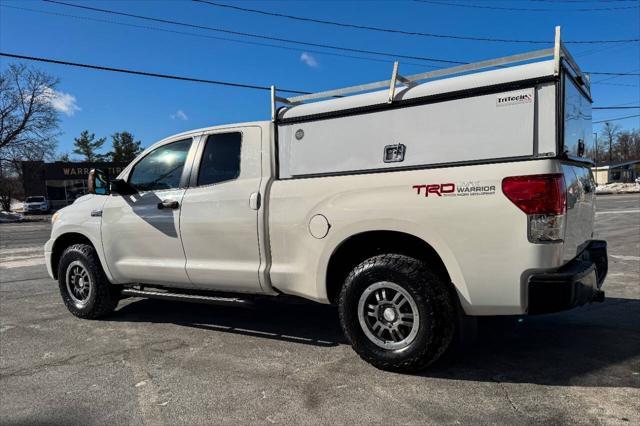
[{"x": 617, "y": 193}]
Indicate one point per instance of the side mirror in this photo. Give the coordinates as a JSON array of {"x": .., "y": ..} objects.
[
  {"x": 122, "y": 187},
  {"x": 98, "y": 183}
]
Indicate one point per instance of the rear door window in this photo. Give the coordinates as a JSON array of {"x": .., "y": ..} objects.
[{"x": 220, "y": 158}]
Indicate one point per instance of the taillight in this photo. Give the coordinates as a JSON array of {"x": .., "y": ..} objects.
[
  {"x": 543, "y": 198},
  {"x": 536, "y": 194}
]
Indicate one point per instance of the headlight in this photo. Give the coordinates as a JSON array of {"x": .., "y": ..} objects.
[{"x": 55, "y": 217}]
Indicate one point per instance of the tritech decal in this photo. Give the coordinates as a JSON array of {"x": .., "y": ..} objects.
[
  {"x": 514, "y": 98},
  {"x": 462, "y": 189}
]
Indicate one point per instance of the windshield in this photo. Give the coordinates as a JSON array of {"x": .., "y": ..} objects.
[
  {"x": 577, "y": 122},
  {"x": 35, "y": 199}
]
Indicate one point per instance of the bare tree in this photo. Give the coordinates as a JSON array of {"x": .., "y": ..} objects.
[
  {"x": 28, "y": 124},
  {"x": 609, "y": 134},
  {"x": 635, "y": 145},
  {"x": 10, "y": 188},
  {"x": 627, "y": 146},
  {"x": 28, "y": 120},
  {"x": 64, "y": 157}
]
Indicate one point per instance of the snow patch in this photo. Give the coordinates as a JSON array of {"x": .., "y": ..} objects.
[
  {"x": 8, "y": 217},
  {"x": 618, "y": 188}
]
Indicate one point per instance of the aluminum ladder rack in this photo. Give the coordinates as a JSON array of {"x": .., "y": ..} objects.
[{"x": 558, "y": 52}]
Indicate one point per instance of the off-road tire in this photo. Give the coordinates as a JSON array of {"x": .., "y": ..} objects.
[
  {"x": 431, "y": 294},
  {"x": 103, "y": 297}
]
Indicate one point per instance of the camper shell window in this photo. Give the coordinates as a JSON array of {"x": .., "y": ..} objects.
[{"x": 577, "y": 127}]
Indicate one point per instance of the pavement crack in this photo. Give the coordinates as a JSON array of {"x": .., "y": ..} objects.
[
  {"x": 507, "y": 395},
  {"x": 94, "y": 360}
]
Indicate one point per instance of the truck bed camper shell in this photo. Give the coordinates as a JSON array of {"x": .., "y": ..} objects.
[{"x": 521, "y": 107}]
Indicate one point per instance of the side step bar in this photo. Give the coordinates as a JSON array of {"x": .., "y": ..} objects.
[{"x": 181, "y": 297}]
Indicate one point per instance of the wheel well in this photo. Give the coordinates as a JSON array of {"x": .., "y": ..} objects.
[
  {"x": 62, "y": 242},
  {"x": 362, "y": 246}
]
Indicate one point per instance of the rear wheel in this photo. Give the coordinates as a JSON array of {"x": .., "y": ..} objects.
[
  {"x": 85, "y": 290},
  {"x": 396, "y": 313}
]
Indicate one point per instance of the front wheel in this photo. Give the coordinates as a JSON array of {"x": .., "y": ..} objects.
[
  {"x": 396, "y": 313},
  {"x": 85, "y": 290}
]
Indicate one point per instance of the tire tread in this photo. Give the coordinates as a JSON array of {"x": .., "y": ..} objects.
[
  {"x": 435, "y": 291},
  {"x": 107, "y": 296}
]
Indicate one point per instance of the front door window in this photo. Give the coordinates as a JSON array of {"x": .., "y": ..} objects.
[{"x": 161, "y": 168}]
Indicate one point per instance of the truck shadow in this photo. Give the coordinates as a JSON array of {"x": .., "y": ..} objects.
[
  {"x": 596, "y": 345},
  {"x": 145, "y": 206},
  {"x": 298, "y": 321}
]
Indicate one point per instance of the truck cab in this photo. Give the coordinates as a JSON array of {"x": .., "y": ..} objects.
[{"x": 171, "y": 220}]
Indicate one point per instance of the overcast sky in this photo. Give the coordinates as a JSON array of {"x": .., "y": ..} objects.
[{"x": 151, "y": 108}]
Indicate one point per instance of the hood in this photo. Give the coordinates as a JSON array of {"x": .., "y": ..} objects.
[{"x": 84, "y": 198}]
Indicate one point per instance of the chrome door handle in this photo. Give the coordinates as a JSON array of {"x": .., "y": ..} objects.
[{"x": 168, "y": 204}]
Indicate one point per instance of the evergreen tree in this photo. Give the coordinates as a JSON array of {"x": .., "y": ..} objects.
[
  {"x": 64, "y": 157},
  {"x": 87, "y": 146},
  {"x": 125, "y": 147}
]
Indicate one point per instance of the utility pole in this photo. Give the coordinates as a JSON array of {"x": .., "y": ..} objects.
[
  {"x": 595, "y": 156},
  {"x": 610, "y": 158}
]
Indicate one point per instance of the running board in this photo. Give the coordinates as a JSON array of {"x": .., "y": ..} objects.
[{"x": 194, "y": 298}]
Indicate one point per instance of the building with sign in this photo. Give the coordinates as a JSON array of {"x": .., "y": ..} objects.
[
  {"x": 623, "y": 172},
  {"x": 62, "y": 182}
]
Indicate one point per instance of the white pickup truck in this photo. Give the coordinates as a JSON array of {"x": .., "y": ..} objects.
[{"x": 412, "y": 208}]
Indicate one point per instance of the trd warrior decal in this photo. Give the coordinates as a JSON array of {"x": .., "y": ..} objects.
[
  {"x": 437, "y": 189},
  {"x": 463, "y": 189}
]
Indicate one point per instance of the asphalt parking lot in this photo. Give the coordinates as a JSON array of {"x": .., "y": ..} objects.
[{"x": 160, "y": 362}]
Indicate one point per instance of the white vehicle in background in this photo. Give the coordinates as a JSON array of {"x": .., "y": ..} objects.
[
  {"x": 36, "y": 204},
  {"x": 414, "y": 209}
]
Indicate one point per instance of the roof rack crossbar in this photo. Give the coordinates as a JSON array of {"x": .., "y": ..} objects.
[
  {"x": 423, "y": 76},
  {"x": 557, "y": 52},
  {"x": 393, "y": 82}
]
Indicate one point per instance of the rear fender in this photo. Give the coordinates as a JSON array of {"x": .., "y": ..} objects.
[{"x": 429, "y": 236}]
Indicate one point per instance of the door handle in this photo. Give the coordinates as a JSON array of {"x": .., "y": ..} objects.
[
  {"x": 254, "y": 201},
  {"x": 168, "y": 204}
]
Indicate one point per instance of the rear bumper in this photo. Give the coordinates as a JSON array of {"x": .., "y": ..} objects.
[{"x": 574, "y": 284}]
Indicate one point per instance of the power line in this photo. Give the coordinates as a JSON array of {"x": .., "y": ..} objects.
[
  {"x": 145, "y": 73},
  {"x": 608, "y": 48},
  {"x": 260, "y": 36},
  {"x": 587, "y": 1},
  {"x": 615, "y": 84},
  {"x": 615, "y": 76},
  {"x": 388, "y": 54},
  {"x": 529, "y": 9},
  {"x": 615, "y": 73},
  {"x": 212, "y": 37},
  {"x": 584, "y": 1},
  {"x": 627, "y": 103},
  {"x": 616, "y": 119},
  {"x": 393, "y": 30},
  {"x": 183, "y": 78},
  {"x": 617, "y": 107}
]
